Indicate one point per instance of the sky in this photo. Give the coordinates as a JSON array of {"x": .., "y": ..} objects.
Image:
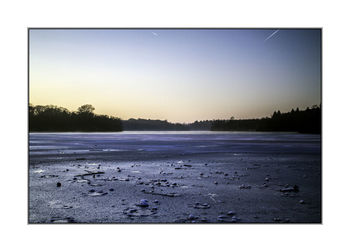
[{"x": 179, "y": 75}]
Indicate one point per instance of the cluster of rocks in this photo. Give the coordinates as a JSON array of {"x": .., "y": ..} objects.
[
  {"x": 144, "y": 209},
  {"x": 243, "y": 186},
  {"x": 192, "y": 219},
  {"x": 229, "y": 217},
  {"x": 162, "y": 183},
  {"x": 199, "y": 205},
  {"x": 59, "y": 220}
]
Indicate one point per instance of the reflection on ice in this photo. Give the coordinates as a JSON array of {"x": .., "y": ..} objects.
[
  {"x": 192, "y": 142},
  {"x": 38, "y": 171}
]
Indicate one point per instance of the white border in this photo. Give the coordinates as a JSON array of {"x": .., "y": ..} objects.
[{"x": 16, "y": 16}]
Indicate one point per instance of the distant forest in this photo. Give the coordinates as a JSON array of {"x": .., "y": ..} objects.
[
  {"x": 148, "y": 124},
  {"x": 57, "y": 119},
  {"x": 306, "y": 121}
]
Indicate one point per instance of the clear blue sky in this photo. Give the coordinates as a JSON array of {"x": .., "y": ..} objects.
[{"x": 178, "y": 75}]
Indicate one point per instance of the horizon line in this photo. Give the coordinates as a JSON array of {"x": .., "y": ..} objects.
[{"x": 158, "y": 119}]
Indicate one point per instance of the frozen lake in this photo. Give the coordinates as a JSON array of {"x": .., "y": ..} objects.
[
  {"x": 186, "y": 177},
  {"x": 169, "y": 142}
]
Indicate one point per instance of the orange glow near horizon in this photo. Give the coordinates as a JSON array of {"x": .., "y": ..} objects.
[{"x": 178, "y": 75}]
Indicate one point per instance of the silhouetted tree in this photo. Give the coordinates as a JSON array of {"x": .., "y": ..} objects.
[
  {"x": 86, "y": 109},
  {"x": 53, "y": 118},
  {"x": 307, "y": 121}
]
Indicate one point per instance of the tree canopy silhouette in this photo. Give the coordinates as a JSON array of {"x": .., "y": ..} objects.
[
  {"x": 86, "y": 109},
  {"x": 306, "y": 121},
  {"x": 57, "y": 119}
]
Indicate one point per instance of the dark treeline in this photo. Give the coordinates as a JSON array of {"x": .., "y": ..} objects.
[
  {"x": 148, "y": 124},
  {"x": 57, "y": 119},
  {"x": 306, "y": 121}
]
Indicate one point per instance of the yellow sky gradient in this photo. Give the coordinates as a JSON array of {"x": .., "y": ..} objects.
[{"x": 181, "y": 76}]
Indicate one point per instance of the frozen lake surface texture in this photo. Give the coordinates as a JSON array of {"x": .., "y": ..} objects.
[{"x": 174, "y": 177}]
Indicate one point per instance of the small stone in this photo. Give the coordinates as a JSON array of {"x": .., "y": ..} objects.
[
  {"x": 245, "y": 187},
  {"x": 92, "y": 190},
  {"x": 301, "y": 202},
  {"x": 288, "y": 188},
  {"x": 143, "y": 203},
  {"x": 111, "y": 190},
  {"x": 231, "y": 213},
  {"x": 191, "y": 217},
  {"x": 155, "y": 201},
  {"x": 215, "y": 182},
  {"x": 234, "y": 219},
  {"x": 58, "y": 184},
  {"x": 220, "y": 219}
]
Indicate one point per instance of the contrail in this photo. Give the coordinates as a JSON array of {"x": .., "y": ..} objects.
[{"x": 271, "y": 35}]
